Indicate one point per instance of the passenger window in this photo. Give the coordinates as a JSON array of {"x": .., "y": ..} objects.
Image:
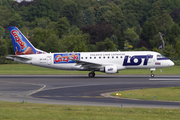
[
  {"x": 112, "y": 56},
  {"x": 90, "y": 57},
  {"x": 81, "y": 57},
  {"x": 94, "y": 57},
  {"x": 108, "y": 57},
  {"x": 116, "y": 56},
  {"x": 86, "y": 57},
  {"x": 104, "y": 57},
  {"x": 99, "y": 57}
]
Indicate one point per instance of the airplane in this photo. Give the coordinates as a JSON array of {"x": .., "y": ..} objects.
[{"x": 107, "y": 62}]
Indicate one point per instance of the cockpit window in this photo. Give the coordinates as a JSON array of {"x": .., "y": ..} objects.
[{"x": 160, "y": 56}]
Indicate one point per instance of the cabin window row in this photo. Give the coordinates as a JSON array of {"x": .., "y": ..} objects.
[{"x": 101, "y": 57}]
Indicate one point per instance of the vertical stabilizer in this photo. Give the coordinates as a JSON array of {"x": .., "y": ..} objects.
[{"x": 21, "y": 44}]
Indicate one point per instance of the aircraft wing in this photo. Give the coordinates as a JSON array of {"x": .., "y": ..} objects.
[
  {"x": 12, "y": 57},
  {"x": 84, "y": 63}
]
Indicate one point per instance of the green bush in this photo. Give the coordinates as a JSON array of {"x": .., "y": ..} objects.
[{"x": 176, "y": 62}]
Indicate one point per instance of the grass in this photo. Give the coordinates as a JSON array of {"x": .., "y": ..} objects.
[
  {"x": 28, "y": 111},
  {"x": 165, "y": 94},
  {"x": 30, "y": 69}
]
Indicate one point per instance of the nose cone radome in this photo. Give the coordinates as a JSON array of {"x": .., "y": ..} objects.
[{"x": 171, "y": 63}]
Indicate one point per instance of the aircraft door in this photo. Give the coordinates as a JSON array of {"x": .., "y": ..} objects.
[
  {"x": 49, "y": 60},
  {"x": 154, "y": 59},
  {"x": 150, "y": 59}
]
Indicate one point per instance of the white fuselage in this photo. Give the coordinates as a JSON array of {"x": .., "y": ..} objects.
[{"x": 120, "y": 60}]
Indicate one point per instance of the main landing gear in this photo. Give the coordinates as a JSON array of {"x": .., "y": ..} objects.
[{"x": 91, "y": 74}]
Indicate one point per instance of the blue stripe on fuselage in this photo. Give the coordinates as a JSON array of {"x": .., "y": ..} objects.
[{"x": 162, "y": 59}]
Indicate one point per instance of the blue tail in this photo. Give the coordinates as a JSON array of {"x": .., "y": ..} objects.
[{"x": 21, "y": 44}]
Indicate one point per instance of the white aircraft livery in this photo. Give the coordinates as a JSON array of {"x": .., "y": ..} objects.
[{"x": 108, "y": 62}]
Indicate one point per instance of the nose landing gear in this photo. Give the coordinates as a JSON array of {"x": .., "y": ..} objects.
[
  {"x": 91, "y": 74},
  {"x": 152, "y": 70},
  {"x": 152, "y": 75}
]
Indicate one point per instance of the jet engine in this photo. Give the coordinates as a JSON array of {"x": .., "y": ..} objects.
[{"x": 109, "y": 69}]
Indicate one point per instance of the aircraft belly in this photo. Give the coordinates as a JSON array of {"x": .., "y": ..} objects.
[
  {"x": 138, "y": 67},
  {"x": 66, "y": 66}
]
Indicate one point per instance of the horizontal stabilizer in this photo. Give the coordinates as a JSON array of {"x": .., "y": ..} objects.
[{"x": 12, "y": 57}]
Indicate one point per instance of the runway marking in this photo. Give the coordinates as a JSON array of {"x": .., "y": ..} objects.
[
  {"x": 36, "y": 90},
  {"x": 29, "y": 84},
  {"x": 6, "y": 95},
  {"x": 86, "y": 96},
  {"x": 19, "y": 96},
  {"x": 12, "y": 96},
  {"x": 75, "y": 86},
  {"x": 163, "y": 79},
  {"x": 71, "y": 96}
]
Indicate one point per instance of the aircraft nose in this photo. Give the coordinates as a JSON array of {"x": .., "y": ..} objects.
[{"x": 171, "y": 63}]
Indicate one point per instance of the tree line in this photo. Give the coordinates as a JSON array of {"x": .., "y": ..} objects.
[{"x": 94, "y": 25}]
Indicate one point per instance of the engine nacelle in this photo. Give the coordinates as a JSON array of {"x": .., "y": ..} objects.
[{"x": 110, "y": 69}]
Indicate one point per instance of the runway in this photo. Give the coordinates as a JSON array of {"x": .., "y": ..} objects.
[{"x": 81, "y": 90}]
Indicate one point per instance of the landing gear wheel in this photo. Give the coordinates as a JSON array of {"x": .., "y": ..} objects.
[
  {"x": 152, "y": 70},
  {"x": 91, "y": 74},
  {"x": 152, "y": 75}
]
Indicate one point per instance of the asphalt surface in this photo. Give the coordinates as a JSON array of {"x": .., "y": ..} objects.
[{"x": 81, "y": 90}]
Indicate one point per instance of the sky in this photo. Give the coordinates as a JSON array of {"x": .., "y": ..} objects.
[{"x": 22, "y": 0}]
